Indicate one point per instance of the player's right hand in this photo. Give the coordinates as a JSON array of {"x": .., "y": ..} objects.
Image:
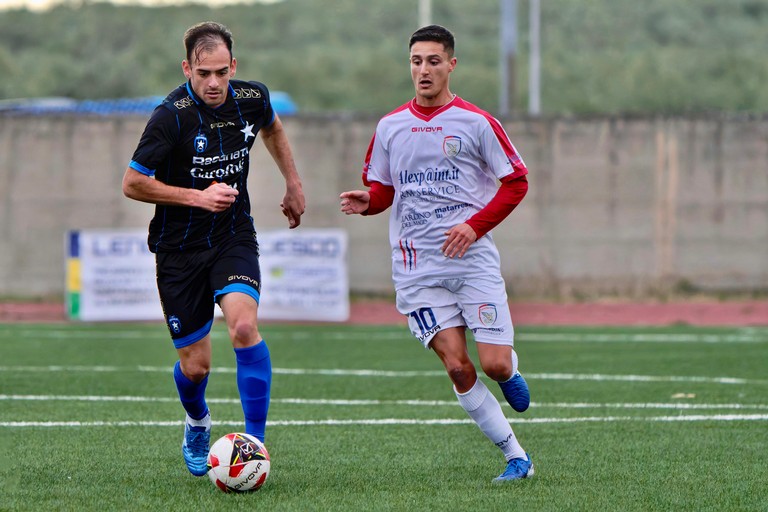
[
  {"x": 355, "y": 201},
  {"x": 458, "y": 239},
  {"x": 218, "y": 197}
]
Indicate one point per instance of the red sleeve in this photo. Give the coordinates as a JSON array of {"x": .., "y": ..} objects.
[
  {"x": 509, "y": 195},
  {"x": 381, "y": 198}
]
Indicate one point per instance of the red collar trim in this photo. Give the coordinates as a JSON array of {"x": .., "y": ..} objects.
[{"x": 427, "y": 113}]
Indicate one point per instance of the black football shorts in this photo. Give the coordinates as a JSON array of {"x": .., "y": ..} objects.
[{"x": 190, "y": 282}]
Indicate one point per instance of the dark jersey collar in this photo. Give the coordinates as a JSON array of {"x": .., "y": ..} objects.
[{"x": 201, "y": 103}]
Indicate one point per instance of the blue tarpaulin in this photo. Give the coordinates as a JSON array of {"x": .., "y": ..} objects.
[{"x": 281, "y": 102}]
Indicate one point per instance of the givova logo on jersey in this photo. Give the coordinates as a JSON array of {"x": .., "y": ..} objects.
[{"x": 451, "y": 146}]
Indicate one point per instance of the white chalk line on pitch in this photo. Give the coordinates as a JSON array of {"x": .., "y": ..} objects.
[
  {"x": 389, "y": 421},
  {"x": 336, "y": 372},
  {"x": 418, "y": 403},
  {"x": 741, "y": 335}
]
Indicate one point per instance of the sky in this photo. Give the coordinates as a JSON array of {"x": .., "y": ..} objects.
[{"x": 40, "y": 5}]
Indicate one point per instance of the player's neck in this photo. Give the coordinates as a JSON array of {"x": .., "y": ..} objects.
[{"x": 437, "y": 101}]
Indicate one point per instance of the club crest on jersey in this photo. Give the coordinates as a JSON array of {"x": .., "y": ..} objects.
[
  {"x": 201, "y": 143},
  {"x": 451, "y": 146},
  {"x": 174, "y": 324},
  {"x": 487, "y": 314}
]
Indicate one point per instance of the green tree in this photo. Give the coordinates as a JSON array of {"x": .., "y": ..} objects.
[{"x": 598, "y": 56}]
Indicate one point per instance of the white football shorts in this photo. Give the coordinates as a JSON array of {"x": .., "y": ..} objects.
[{"x": 479, "y": 303}]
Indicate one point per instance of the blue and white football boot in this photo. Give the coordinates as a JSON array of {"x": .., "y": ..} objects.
[
  {"x": 197, "y": 440},
  {"x": 516, "y": 392},
  {"x": 516, "y": 469}
]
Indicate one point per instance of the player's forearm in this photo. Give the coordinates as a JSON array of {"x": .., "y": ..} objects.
[
  {"x": 380, "y": 198},
  {"x": 278, "y": 147},
  {"x": 506, "y": 199},
  {"x": 148, "y": 190},
  {"x": 276, "y": 142},
  {"x": 284, "y": 160}
]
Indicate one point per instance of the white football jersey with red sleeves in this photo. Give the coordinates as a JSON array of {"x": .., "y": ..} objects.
[{"x": 444, "y": 167}]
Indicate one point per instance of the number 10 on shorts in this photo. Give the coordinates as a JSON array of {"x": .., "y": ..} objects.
[{"x": 425, "y": 318}]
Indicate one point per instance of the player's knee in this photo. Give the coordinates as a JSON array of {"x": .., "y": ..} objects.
[
  {"x": 462, "y": 374},
  {"x": 196, "y": 371},
  {"x": 498, "y": 370},
  {"x": 243, "y": 333}
]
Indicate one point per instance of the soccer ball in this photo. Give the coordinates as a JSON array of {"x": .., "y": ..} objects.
[{"x": 238, "y": 463}]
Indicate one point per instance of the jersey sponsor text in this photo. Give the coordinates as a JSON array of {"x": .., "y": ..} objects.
[{"x": 428, "y": 176}]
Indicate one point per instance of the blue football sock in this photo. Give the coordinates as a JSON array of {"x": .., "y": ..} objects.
[
  {"x": 192, "y": 395},
  {"x": 254, "y": 379}
]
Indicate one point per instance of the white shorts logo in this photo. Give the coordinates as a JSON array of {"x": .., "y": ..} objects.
[{"x": 487, "y": 314}]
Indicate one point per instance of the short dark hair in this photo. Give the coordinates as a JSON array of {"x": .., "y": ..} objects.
[
  {"x": 204, "y": 37},
  {"x": 434, "y": 33}
]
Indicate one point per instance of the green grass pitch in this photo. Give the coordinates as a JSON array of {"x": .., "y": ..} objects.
[{"x": 363, "y": 418}]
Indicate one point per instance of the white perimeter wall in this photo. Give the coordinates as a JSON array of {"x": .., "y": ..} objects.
[{"x": 615, "y": 206}]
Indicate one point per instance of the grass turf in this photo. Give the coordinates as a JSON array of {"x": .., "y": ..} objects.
[{"x": 622, "y": 419}]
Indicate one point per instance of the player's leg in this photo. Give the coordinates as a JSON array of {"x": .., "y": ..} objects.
[
  {"x": 191, "y": 377},
  {"x": 435, "y": 319},
  {"x": 484, "y": 308},
  {"x": 254, "y": 366},
  {"x": 499, "y": 362},
  {"x": 486, "y": 311},
  {"x": 450, "y": 345},
  {"x": 186, "y": 299},
  {"x": 236, "y": 280},
  {"x": 473, "y": 395}
]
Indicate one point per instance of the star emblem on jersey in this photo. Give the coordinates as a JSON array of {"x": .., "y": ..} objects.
[{"x": 248, "y": 131}]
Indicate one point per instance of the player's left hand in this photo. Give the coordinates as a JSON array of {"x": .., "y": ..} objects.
[
  {"x": 460, "y": 237},
  {"x": 293, "y": 206}
]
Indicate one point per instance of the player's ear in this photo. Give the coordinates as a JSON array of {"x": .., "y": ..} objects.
[
  {"x": 233, "y": 67},
  {"x": 186, "y": 69}
]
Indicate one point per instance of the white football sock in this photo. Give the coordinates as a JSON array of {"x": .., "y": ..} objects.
[
  {"x": 205, "y": 422},
  {"x": 514, "y": 362},
  {"x": 485, "y": 410}
]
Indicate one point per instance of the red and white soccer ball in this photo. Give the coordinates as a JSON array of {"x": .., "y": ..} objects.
[{"x": 238, "y": 463}]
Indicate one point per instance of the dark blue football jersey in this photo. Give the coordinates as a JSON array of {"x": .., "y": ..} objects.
[{"x": 189, "y": 144}]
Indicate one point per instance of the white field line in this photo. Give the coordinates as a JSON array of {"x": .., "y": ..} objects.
[
  {"x": 745, "y": 335},
  {"x": 417, "y": 403},
  {"x": 644, "y": 338},
  {"x": 335, "y": 372},
  {"x": 388, "y": 421}
]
